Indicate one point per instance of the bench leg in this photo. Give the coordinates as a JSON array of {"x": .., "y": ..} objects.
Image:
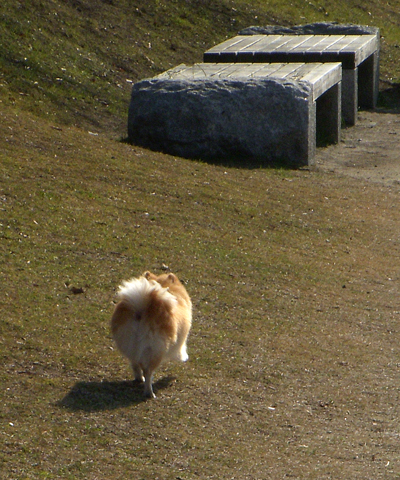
[
  {"x": 349, "y": 95},
  {"x": 368, "y": 81},
  {"x": 329, "y": 117},
  {"x": 308, "y": 157}
]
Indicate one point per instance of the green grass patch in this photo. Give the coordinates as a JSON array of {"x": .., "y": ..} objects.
[{"x": 76, "y": 63}]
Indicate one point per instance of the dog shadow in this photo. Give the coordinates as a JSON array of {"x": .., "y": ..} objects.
[{"x": 97, "y": 396}]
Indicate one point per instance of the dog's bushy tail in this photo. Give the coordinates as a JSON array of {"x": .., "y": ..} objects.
[{"x": 147, "y": 301}]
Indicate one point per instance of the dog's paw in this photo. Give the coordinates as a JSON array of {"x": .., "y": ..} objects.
[
  {"x": 183, "y": 356},
  {"x": 149, "y": 395}
]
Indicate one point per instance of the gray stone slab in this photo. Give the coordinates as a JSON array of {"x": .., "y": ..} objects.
[
  {"x": 318, "y": 28},
  {"x": 252, "y": 112}
]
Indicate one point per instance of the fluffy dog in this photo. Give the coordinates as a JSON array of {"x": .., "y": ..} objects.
[{"x": 151, "y": 322}]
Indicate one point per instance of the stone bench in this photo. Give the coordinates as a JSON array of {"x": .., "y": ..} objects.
[
  {"x": 267, "y": 112},
  {"x": 359, "y": 55}
]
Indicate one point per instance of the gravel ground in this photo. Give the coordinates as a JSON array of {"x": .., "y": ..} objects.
[{"x": 370, "y": 150}]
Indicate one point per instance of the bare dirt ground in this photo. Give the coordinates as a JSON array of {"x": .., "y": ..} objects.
[{"x": 369, "y": 150}]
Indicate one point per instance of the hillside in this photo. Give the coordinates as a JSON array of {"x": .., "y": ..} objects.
[
  {"x": 293, "y": 368},
  {"x": 75, "y": 61}
]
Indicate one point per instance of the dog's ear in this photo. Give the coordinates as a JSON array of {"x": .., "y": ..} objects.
[
  {"x": 172, "y": 278},
  {"x": 147, "y": 274}
]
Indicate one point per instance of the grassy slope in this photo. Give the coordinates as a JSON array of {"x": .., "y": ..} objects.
[
  {"x": 293, "y": 354},
  {"x": 74, "y": 61}
]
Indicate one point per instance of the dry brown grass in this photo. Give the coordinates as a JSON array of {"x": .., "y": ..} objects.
[
  {"x": 293, "y": 356},
  {"x": 293, "y": 369}
]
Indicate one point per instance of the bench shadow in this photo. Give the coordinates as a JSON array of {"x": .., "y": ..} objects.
[
  {"x": 235, "y": 160},
  {"x": 389, "y": 99},
  {"x": 98, "y": 396}
]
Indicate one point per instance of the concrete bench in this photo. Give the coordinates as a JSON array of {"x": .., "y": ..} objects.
[
  {"x": 359, "y": 55},
  {"x": 268, "y": 112}
]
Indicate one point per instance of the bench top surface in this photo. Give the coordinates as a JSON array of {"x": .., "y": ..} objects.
[
  {"x": 355, "y": 48},
  {"x": 321, "y": 76}
]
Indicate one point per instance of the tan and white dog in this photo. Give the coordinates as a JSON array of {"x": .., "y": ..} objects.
[{"x": 151, "y": 322}]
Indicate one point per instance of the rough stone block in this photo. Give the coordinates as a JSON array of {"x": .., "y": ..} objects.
[
  {"x": 267, "y": 112},
  {"x": 317, "y": 28},
  {"x": 261, "y": 119}
]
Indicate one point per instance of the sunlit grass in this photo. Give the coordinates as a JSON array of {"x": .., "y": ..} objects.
[
  {"x": 292, "y": 273},
  {"x": 288, "y": 274}
]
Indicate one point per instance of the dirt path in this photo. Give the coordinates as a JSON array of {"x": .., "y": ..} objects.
[{"x": 370, "y": 150}]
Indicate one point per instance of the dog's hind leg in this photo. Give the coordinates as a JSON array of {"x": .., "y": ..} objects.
[
  {"x": 148, "y": 384},
  {"x": 148, "y": 369},
  {"x": 137, "y": 372}
]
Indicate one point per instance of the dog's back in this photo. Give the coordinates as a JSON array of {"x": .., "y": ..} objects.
[{"x": 182, "y": 313}]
